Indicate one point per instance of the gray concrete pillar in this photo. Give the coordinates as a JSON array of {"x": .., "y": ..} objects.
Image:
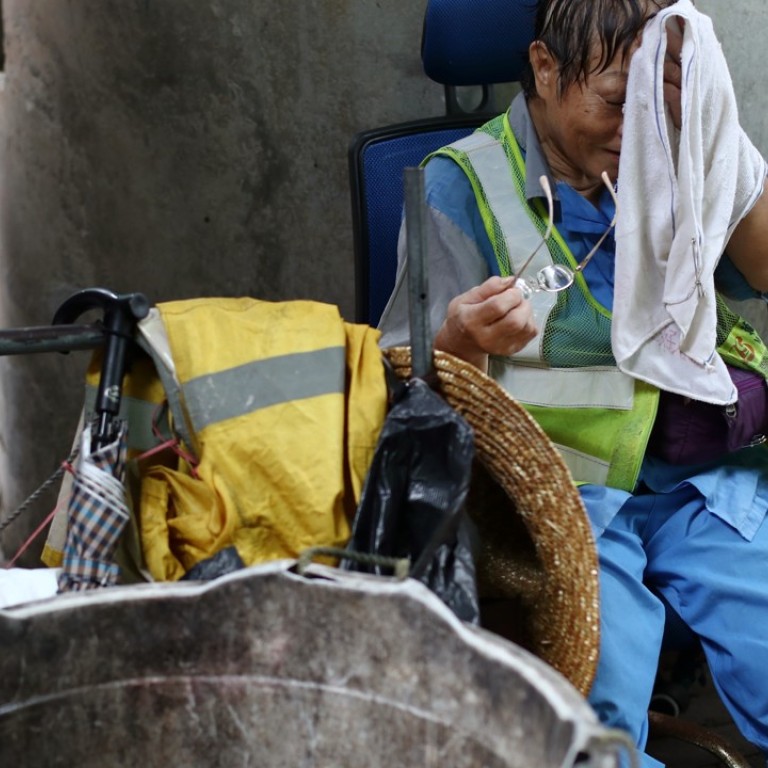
[
  {"x": 739, "y": 27},
  {"x": 182, "y": 149}
]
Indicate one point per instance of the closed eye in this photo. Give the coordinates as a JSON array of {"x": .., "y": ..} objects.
[{"x": 615, "y": 100}]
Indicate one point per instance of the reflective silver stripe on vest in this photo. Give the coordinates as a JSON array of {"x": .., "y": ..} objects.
[
  {"x": 594, "y": 387},
  {"x": 490, "y": 163},
  {"x": 262, "y": 383},
  {"x": 583, "y": 467}
]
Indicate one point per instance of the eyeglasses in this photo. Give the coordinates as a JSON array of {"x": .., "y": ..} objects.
[{"x": 557, "y": 277}]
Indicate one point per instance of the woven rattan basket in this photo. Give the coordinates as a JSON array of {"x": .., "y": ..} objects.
[{"x": 537, "y": 571}]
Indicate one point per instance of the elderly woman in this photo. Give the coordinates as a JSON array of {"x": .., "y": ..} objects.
[{"x": 681, "y": 526}]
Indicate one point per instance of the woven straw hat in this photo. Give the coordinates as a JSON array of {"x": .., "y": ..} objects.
[{"x": 537, "y": 570}]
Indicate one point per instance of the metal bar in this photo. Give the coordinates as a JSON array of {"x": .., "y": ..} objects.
[
  {"x": 50, "y": 338},
  {"x": 121, "y": 313},
  {"x": 418, "y": 305}
]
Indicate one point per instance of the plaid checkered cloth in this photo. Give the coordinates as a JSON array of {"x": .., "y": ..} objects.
[{"x": 97, "y": 514}]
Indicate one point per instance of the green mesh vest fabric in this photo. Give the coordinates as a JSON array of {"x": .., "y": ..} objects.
[
  {"x": 738, "y": 342},
  {"x": 577, "y": 334},
  {"x": 578, "y": 330}
]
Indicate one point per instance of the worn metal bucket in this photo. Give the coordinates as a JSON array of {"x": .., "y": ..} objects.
[{"x": 266, "y": 667}]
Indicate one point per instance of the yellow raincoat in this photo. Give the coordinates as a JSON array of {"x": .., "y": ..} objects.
[{"x": 280, "y": 404}]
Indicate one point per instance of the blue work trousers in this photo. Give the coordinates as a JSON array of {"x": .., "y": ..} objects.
[{"x": 716, "y": 581}]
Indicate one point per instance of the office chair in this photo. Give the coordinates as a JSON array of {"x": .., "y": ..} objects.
[
  {"x": 454, "y": 31},
  {"x": 478, "y": 43},
  {"x": 377, "y": 160}
]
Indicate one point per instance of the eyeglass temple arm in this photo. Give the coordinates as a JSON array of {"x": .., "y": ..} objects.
[
  {"x": 544, "y": 181},
  {"x": 583, "y": 263}
]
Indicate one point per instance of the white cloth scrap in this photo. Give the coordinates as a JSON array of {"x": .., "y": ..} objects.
[
  {"x": 680, "y": 196},
  {"x": 23, "y": 585}
]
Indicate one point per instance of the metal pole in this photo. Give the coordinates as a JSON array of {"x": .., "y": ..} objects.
[
  {"x": 418, "y": 304},
  {"x": 50, "y": 338}
]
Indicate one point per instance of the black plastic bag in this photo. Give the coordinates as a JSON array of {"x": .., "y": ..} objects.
[
  {"x": 412, "y": 504},
  {"x": 224, "y": 561}
]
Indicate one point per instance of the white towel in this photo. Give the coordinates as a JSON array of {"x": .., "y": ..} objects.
[{"x": 680, "y": 196}]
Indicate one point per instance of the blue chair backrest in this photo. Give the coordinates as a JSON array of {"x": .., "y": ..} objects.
[
  {"x": 377, "y": 161},
  {"x": 474, "y": 42},
  {"x": 464, "y": 42}
]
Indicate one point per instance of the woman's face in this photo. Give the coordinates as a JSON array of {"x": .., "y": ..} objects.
[
  {"x": 588, "y": 122},
  {"x": 581, "y": 129}
]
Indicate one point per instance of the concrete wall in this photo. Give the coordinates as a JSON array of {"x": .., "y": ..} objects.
[
  {"x": 180, "y": 148},
  {"x": 198, "y": 147},
  {"x": 738, "y": 25}
]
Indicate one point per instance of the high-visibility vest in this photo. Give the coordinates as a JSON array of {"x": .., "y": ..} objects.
[
  {"x": 599, "y": 418},
  {"x": 278, "y": 406}
]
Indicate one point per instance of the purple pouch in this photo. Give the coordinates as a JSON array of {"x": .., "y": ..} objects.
[{"x": 691, "y": 432}]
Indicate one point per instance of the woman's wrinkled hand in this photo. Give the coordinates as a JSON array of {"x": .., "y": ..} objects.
[{"x": 490, "y": 319}]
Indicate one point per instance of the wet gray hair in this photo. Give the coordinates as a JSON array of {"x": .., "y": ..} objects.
[{"x": 570, "y": 29}]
